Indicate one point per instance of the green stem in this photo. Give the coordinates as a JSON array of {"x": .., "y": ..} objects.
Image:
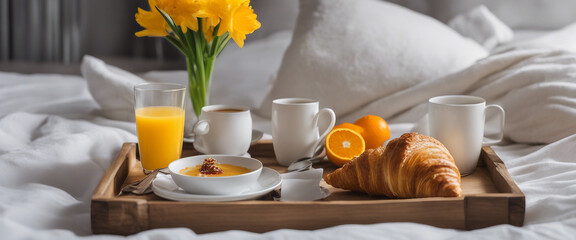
[
  {"x": 222, "y": 44},
  {"x": 200, "y": 60},
  {"x": 193, "y": 86}
]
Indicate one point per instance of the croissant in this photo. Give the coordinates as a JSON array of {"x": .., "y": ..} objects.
[{"x": 410, "y": 166}]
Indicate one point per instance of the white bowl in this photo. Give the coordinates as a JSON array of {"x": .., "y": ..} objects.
[{"x": 216, "y": 185}]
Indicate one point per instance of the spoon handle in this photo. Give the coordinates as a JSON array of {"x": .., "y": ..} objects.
[{"x": 143, "y": 186}]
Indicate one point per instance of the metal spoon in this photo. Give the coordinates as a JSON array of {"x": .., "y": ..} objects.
[
  {"x": 143, "y": 186},
  {"x": 305, "y": 163}
]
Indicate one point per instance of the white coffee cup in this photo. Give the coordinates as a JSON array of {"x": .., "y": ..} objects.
[
  {"x": 223, "y": 129},
  {"x": 457, "y": 121},
  {"x": 295, "y": 132}
]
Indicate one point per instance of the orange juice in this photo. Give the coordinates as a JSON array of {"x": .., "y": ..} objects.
[{"x": 160, "y": 133}]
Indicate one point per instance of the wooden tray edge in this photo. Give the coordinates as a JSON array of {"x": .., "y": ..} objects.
[
  {"x": 510, "y": 197},
  {"x": 517, "y": 202},
  {"x": 103, "y": 190},
  {"x": 105, "y": 209},
  {"x": 499, "y": 172}
]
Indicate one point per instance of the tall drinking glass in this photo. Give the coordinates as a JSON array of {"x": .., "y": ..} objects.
[{"x": 159, "y": 109}]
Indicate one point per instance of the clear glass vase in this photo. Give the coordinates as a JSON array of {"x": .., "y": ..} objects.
[{"x": 199, "y": 81}]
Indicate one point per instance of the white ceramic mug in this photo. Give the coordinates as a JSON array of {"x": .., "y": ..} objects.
[
  {"x": 223, "y": 129},
  {"x": 295, "y": 132},
  {"x": 457, "y": 121}
]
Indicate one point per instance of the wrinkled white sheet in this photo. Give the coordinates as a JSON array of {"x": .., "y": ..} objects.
[{"x": 55, "y": 146}]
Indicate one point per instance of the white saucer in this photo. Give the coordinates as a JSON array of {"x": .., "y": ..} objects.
[
  {"x": 164, "y": 187},
  {"x": 256, "y": 135}
]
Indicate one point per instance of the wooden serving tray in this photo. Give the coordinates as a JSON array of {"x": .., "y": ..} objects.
[{"x": 490, "y": 198}]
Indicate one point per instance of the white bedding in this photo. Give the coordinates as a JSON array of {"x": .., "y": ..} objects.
[{"x": 55, "y": 144}]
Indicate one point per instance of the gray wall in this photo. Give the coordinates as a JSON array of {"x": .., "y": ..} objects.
[{"x": 64, "y": 30}]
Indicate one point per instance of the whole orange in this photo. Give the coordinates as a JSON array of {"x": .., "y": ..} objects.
[
  {"x": 376, "y": 130},
  {"x": 350, "y": 126}
]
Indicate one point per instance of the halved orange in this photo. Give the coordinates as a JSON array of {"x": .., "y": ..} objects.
[
  {"x": 376, "y": 130},
  {"x": 343, "y": 144}
]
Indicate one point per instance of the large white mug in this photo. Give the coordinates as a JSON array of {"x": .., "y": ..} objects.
[
  {"x": 223, "y": 129},
  {"x": 457, "y": 121},
  {"x": 295, "y": 132}
]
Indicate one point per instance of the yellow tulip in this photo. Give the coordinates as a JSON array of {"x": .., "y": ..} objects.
[
  {"x": 243, "y": 22},
  {"x": 211, "y": 11},
  {"x": 182, "y": 12},
  {"x": 152, "y": 22},
  {"x": 234, "y": 16}
]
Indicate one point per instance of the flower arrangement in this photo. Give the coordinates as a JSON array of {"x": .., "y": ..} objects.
[{"x": 200, "y": 29}]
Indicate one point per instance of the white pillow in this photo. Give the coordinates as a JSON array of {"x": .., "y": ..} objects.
[
  {"x": 111, "y": 87},
  {"x": 348, "y": 53},
  {"x": 481, "y": 25}
]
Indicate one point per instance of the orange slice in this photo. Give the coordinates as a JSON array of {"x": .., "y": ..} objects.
[
  {"x": 376, "y": 130},
  {"x": 343, "y": 144}
]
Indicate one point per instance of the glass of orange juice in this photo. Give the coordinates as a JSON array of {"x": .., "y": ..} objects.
[{"x": 159, "y": 109}]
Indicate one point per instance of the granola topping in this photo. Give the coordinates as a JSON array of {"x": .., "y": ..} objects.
[{"x": 209, "y": 167}]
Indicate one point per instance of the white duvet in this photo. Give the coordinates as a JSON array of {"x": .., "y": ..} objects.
[{"x": 55, "y": 145}]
